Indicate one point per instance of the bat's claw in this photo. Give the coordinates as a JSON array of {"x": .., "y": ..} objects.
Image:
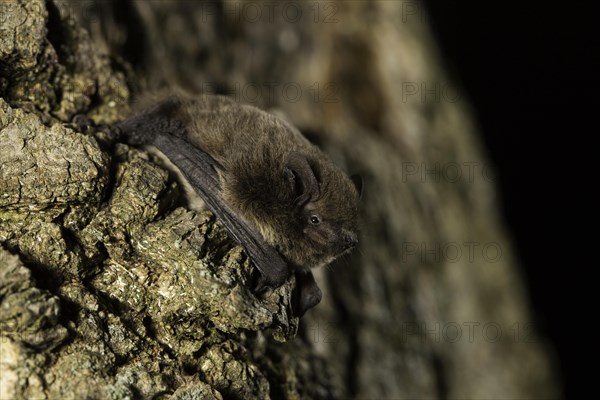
[
  {"x": 85, "y": 124},
  {"x": 261, "y": 284},
  {"x": 269, "y": 281}
]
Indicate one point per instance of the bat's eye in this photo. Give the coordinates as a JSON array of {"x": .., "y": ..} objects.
[{"x": 315, "y": 219}]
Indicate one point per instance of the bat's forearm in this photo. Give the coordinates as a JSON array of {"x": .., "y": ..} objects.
[{"x": 200, "y": 170}]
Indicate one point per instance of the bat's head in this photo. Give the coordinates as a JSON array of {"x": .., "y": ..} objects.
[{"x": 325, "y": 210}]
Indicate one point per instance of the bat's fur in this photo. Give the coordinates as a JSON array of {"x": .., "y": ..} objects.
[{"x": 258, "y": 169}]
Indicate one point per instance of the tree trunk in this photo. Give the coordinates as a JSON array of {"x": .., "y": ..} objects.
[{"x": 111, "y": 288}]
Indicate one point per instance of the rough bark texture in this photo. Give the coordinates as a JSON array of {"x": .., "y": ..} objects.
[{"x": 109, "y": 288}]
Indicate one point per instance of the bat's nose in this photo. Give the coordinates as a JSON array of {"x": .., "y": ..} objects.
[{"x": 350, "y": 240}]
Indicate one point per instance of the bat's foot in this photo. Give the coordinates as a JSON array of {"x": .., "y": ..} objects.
[
  {"x": 86, "y": 125},
  {"x": 83, "y": 124},
  {"x": 307, "y": 294}
]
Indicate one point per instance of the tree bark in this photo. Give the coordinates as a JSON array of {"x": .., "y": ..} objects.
[{"x": 111, "y": 288}]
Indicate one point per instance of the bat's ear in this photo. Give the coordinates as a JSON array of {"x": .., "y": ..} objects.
[
  {"x": 302, "y": 178},
  {"x": 358, "y": 181}
]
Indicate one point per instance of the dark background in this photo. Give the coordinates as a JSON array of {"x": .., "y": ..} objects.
[{"x": 529, "y": 73}]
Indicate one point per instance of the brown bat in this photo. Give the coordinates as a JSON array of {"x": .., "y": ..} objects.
[{"x": 277, "y": 194}]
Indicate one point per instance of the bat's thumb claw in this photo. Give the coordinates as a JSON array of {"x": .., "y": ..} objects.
[
  {"x": 273, "y": 279},
  {"x": 83, "y": 123},
  {"x": 262, "y": 284}
]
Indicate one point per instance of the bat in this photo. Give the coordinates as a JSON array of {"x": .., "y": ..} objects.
[{"x": 277, "y": 194}]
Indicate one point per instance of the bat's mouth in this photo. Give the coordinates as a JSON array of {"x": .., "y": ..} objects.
[
  {"x": 342, "y": 252},
  {"x": 347, "y": 251}
]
